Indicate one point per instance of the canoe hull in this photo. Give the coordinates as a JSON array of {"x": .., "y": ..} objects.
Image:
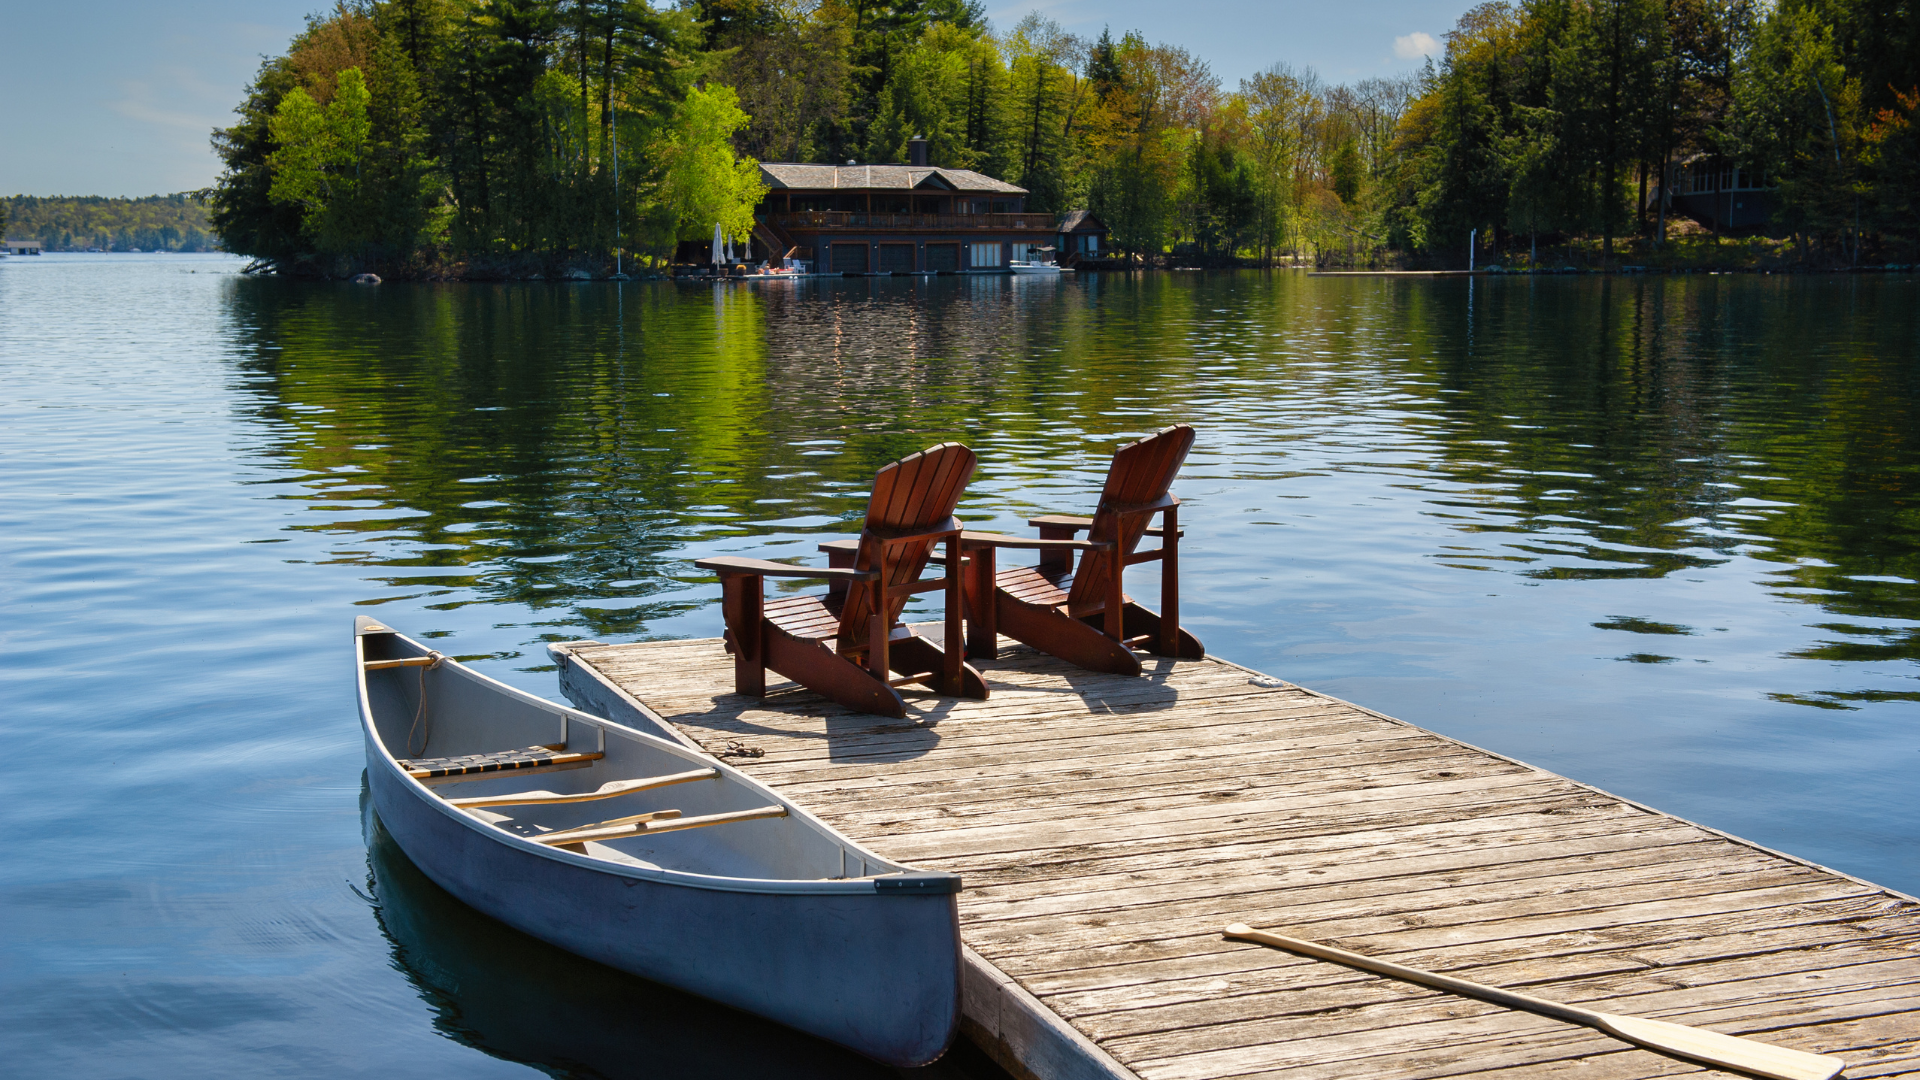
[{"x": 878, "y": 974}]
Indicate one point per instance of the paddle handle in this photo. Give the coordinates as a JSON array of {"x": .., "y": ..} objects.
[{"x": 1570, "y": 1013}]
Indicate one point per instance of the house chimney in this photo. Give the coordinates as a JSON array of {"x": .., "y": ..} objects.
[{"x": 917, "y": 151}]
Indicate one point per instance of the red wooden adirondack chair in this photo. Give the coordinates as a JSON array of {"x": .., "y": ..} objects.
[
  {"x": 846, "y": 644},
  {"x": 1072, "y": 613}
]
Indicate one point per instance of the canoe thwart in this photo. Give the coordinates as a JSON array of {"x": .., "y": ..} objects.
[
  {"x": 604, "y": 791},
  {"x": 1695, "y": 1044},
  {"x": 567, "y": 836},
  {"x": 430, "y": 660},
  {"x": 498, "y": 761},
  {"x": 656, "y": 824}
]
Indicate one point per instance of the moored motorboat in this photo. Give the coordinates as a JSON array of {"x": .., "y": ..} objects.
[
  {"x": 652, "y": 858},
  {"x": 1033, "y": 267}
]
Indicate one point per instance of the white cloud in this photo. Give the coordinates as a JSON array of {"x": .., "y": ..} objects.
[{"x": 1415, "y": 45}]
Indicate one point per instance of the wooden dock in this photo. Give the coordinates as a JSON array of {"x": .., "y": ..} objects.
[{"x": 1109, "y": 827}]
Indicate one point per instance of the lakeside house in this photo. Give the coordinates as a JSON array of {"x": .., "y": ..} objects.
[
  {"x": 1719, "y": 193},
  {"x": 21, "y": 247},
  {"x": 912, "y": 218},
  {"x": 1082, "y": 236}
]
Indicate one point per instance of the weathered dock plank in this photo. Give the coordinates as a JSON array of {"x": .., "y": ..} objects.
[{"x": 1108, "y": 827}]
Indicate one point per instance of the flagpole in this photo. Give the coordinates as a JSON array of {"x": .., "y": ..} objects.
[{"x": 613, "y": 125}]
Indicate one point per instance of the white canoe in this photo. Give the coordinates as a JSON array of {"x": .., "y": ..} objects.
[{"x": 652, "y": 858}]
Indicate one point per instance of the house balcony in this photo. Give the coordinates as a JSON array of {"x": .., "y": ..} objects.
[{"x": 811, "y": 220}]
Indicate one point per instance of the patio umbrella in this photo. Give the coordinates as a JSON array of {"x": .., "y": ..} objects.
[{"x": 716, "y": 242}]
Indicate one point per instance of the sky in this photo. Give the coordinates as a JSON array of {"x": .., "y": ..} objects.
[{"x": 118, "y": 98}]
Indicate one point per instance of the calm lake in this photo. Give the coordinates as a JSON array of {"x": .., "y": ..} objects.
[{"x": 1661, "y": 535}]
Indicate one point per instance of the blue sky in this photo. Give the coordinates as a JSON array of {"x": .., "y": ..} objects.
[{"x": 117, "y": 98}]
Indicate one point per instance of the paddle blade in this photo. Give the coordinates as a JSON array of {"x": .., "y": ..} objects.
[{"x": 1725, "y": 1051}]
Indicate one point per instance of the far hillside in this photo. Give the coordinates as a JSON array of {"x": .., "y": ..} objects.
[{"x": 96, "y": 223}]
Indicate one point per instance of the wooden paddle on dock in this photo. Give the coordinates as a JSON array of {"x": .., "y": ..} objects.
[{"x": 1695, "y": 1044}]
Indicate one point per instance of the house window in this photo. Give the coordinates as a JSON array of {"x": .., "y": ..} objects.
[
  {"x": 1090, "y": 244},
  {"x": 986, "y": 256}
]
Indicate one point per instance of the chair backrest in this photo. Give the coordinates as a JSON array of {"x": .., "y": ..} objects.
[
  {"x": 916, "y": 493},
  {"x": 1141, "y": 473}
]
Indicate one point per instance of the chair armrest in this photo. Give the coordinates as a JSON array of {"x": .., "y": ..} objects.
[
  {"x": 727, "y": 564},
  {"x": 849, "y": 546},
  {"x": 1001, "y": 540},
  {"x": 933, "y": 532},
  {"x": 1066, "y": 521},
  {"x": 1164, "y": 502}
]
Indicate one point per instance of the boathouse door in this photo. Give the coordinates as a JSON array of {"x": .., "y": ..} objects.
[
  {"x": 896, "y": 258},
  {"x": 943, "y": 257},
  {"x": 849, "y": 259}
]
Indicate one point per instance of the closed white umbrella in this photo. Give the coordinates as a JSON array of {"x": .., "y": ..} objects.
[{"x": 716, "y": 243}]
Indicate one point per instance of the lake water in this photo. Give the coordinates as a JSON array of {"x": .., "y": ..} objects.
[{"x": 1661, "y": 535}]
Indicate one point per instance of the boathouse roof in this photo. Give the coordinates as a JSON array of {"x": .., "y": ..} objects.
[
  {"x": 1081, "y": 221},
  {"x": 880, "y": 178}
]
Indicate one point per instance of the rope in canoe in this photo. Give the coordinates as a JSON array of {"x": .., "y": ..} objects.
[{"x": 420, "y": 721}]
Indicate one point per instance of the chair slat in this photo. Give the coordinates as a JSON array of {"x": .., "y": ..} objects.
[{"x": 1142, "y": 472}]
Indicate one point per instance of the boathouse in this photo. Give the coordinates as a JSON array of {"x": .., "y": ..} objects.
[
  {"x": 1081, "y": 236},
  {"x": 912, "y": 218},
  {"x": 22, "y": 247}
]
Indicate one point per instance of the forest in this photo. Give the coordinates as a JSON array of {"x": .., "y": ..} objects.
[
  {"x": 429, "y": 137},
  {"x": 94, "y": 223}
]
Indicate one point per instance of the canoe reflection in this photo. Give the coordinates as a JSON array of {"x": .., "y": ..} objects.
[{"x": 518, "y": 998}]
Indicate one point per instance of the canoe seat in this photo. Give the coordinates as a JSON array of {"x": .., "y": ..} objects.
[{"x": 530, "y": 757}]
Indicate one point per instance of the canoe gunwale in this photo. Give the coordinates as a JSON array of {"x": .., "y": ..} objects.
[{"x": 900, "y": 881}]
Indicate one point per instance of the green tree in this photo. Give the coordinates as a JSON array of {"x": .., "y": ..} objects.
[
  {"x": 1463, "y": 179},
  {"x": 789, "y": 64},
  {"x": 317, "y": 164},
  {"x": 701, "y": 181},
  {"x": 1275, "y": 100},
  {"x": 949, "y": 88},
  {"x": 1348, "y": 171},
  {"x": 1046, "y": 95},
  {"x": 1136, "y": 138},
  {"x": 1606, "y": 80},
  {"x": 1797, "y": 116},
  {"x": 1893, "y": 156}
]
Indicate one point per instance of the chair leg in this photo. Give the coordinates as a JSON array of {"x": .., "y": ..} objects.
[
  {"x": 953, "y": 647},
  {"x": 816, "y": 666},
  {"x": 983, "y": 629},
  {"x": 1142, "y": 622},
  {"x": 1169, "y": 643},
  {"x": 915, "y": 654},
  {"x": 1057, "y": 634},
  {"x": 741, "y": 605}
]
